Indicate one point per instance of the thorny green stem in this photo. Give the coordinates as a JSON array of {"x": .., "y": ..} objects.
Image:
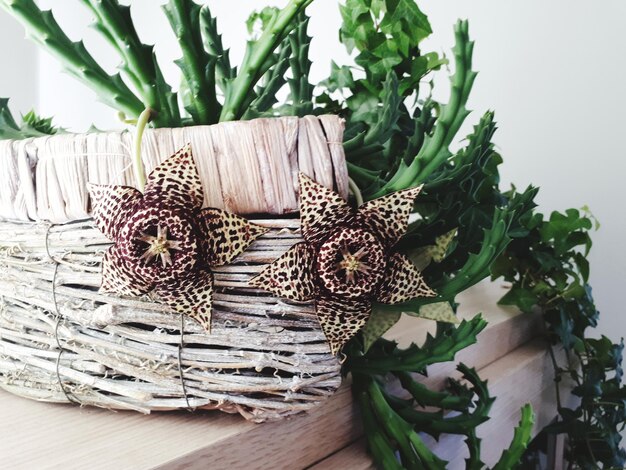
[
  {"x": 43, "y": 29},
  {"x": 248, "y": 76},
  {"x": 435, "y": 149}
]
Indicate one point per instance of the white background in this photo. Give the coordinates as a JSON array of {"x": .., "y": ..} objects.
[{"x": 554, "y": 72}]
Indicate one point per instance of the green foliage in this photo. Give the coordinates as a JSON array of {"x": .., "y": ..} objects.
[
  {"x": 205, "y": 63},
  {"x": 393, "y": 422},
  {"x": 385, "y": 357},
  {"x": 259, "y": 58},
  {"x": 139, "y": 63},
  {"x": 212, "y": 41},
  {"x": 300, "y": 89},
  {"x": 42, "y": 28},
  {"x": 511, "y": 457},
  {"x": 385, "y": 35},
  {"x": 32, "y": 125},
  {"x": 549, "y": 271},
  {"x": 196, "y": 65},
  {"x": 463, "y": 229}
]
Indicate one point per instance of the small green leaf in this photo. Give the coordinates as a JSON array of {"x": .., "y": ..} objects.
[
  {"x": 340, "y": 78},
  {"x": 440, "y": 311},
  {"x": 522, "y": 298},
  {"x": 377, "y": 325}
]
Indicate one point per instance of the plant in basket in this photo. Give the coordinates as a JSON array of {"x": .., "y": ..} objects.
[{"x": 252, "y": 237}]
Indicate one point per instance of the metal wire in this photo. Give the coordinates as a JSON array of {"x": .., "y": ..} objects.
[{"x": 70, "y": 397}]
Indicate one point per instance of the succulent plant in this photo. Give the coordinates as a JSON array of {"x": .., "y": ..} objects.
[{"x": 397, "y": 137}]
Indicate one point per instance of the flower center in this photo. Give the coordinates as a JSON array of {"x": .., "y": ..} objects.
[
  {"x": 159, "y": 246},
  {"x": 160, "y": 243},
  {"x": 352, "y": 264}
]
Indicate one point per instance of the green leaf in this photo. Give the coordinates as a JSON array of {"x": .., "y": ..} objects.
[
  {"x": 258, "y": 59},
  {"x": 441, "y": 348},
  {"x": 139, "y": 64},
  {"x": 31, "y": 122},
  {"x": 8, "y": 127},
  {"x": 212, "y": 41},
  {"x": 522, "y": 298},
  {"x": 261, "y": 19},
  {"x": 300, "y": 89},
  {"x": 377, "y": 325},
  {"x": 404, "y": 17},
  {"x": 435, "y": 150},
  {"x": 340, "y": 78},
  {"x": 32, "y": 125},
  {"x": 440, "y": 311},
  {"x": 566, "y": 230}
]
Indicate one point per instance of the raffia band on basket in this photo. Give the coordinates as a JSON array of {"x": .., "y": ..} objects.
[{"x": 61, "y": 340}]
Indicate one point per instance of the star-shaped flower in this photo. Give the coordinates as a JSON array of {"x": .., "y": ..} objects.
[
  {"x": 165, "y": 241},
  {"x": 347, "y": 259}
]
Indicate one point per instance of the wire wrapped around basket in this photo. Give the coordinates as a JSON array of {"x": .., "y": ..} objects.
[
  {"x": 122, "y": 353},
  {"x": 60, "y": 340}
]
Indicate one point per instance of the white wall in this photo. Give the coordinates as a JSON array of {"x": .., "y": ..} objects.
[
  {"x": 553, "y": 71},
  {"x": 18, "y": 69}
]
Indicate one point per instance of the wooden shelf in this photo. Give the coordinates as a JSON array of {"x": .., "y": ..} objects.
[{"x": 41, "y": 435}]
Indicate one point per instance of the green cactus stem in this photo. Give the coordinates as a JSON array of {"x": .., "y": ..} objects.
[
  {"x": 43, "y": 29},
  {"x": 256, "y": 56}
]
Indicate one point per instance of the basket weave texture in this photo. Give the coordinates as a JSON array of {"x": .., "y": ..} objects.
[{"x": 61, "y": 340}]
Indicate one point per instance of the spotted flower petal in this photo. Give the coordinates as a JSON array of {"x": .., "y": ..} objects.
[
  {"x": 175, "y": 182},
  {"x": 226, "y": 235},
  {"x": 290, "y": 276},
  {"x": 341, "y": 318},
  {"x": 347, "y": 259},
  {"x": 111, "y": 206},
  {"x": 192, "y": 296},
  {"x": 164, "y": 241},
  {"x": 320, "y": 209},
  {"x": 388, "y": 216},
  {"x": 403, "y": 282},
  {"x": 118, "y": 279}
]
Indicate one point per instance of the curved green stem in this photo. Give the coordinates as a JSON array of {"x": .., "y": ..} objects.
[
  {"x": 356, "y": 192},
  {"x": 138, "y": 168}
]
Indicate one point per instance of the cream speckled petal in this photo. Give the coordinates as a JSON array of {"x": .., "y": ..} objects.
[
  {"x": 226, "y": 235},
  {"x": 290, "y": 276},
  {"x": 388, "y": 216},
  {"x": 191, "y": 296},
  {"x": 321, "y": 209},
  {"x": 341, "y": 318},
  {"x": 403, "y": 282},
  {"x": 175, "y": 183},
  {"x": 118, "y": 278},
  {"x": 111, "y": 207}
]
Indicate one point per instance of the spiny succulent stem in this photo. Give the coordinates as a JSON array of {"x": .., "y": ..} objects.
[{"x": 255, "y": 58}]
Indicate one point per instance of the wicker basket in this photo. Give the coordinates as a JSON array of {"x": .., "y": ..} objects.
[{"x": 60, "y": 340}]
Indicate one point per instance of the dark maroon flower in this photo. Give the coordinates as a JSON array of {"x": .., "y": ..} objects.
[
  {"x": 165, "y": 241},
  {"x": 347, "y": 260}
]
